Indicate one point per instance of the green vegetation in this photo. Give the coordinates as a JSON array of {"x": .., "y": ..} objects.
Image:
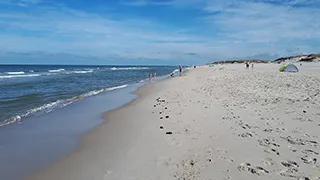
[{"x": 240, "y": 61}]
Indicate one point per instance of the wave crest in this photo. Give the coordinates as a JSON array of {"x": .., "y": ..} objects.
[
  {"x": 14, "y": 73},
  {"x": 128, "y": 68},
  {"x": 57, "y": 104}
]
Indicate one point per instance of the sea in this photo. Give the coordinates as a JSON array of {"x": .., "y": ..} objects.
[
  {"x": 27, "y": 90},
  {"x": 46, "y": 109}
]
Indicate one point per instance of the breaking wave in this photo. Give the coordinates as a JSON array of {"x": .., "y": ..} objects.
[
  {"x": 14, "y": 73},
  {"x": 19, "y": 76},
  {"x": 128, "y": 68},
  {"x": 56, "y": 70},
  {"x": 46, "y": 108}
]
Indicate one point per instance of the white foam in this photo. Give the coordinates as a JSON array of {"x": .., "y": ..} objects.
[
  {"x": 56, "y": 70},
  {"x": 14, "y": 73},
  {"x": 58, "y": 104},
  {"x": 91, "y": 93},
  {"x": 117, "y": 87},
  {"x": 128, "y": 68},
  {"x": 82, "y": 72},
  {"x": 19, "y": 76}
]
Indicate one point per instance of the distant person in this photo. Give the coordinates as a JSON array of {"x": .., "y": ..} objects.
[
  {"x": 247, "y": 65},
  {"x": 180, "y": 69},
  {"x": 150, "y": 75},
  {"x": 155, "y": 76},
  {"x": 194, "y": 66},
  {"x": 252, "y": 66}
]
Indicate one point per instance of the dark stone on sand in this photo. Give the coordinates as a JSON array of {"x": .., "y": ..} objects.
[
  {"x": 168, "y": 132},
  {"x": 154, "y": 105},
  {"x": 192, "y": 163},
  {"x": 161, "y": 127},
  {"x": 304, "y": 111},
  {"x": 161, "y": 117},
  {"x": 167, "y": 117},
  {"x": 160, "y": 112},
  {"x": 209, "y": 160},
  {"x": 165, "y": 108}
]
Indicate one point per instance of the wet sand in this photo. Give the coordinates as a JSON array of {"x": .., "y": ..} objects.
[{"x": 212, "y": 123}]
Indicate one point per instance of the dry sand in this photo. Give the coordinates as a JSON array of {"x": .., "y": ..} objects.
[{"x": 212, "y": 123}]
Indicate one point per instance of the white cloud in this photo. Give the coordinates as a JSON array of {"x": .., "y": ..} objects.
[
  {"x": 270, "y": 26},
  {"x": 78, "y": 32},
  {"x": 246, "y": 28}
]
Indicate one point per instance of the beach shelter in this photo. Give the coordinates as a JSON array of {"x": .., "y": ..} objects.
[{"x": 289, "y": 68}]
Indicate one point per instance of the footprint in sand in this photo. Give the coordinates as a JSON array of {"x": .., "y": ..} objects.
[
  {"x": 291, "y": 173},
  {"x": 309, "y": 151},
  {"x": 272, "y": 151},
  {"x": 268, "y": 142},
  {"x": 187, "y": 169},
  {"x": 290, "y": 164},
  {"x": 245, "y": 135},
  {"x": 226, "y": 159},
  {"x": 257, "y": 170},
  {"x": 268, "y": 162},
  {"x": 309, "y": 160}
]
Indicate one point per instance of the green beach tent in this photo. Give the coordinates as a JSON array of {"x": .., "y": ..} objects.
[
  {"x": 289, "y": 68},
  {"x": 282, "y": 68}
]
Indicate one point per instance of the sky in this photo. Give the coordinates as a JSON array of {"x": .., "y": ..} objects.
[{"x": 155, "y": 31}]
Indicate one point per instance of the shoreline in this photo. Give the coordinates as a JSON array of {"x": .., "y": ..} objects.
[
  {"x": 216, "y": 123},
  {"x": 48, "y": 137},
  {"x": 138, "y": 93}
]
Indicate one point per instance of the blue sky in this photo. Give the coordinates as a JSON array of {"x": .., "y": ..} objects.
[{"x": 155, "y": 31}]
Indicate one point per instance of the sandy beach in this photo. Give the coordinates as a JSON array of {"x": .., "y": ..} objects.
[{"x": 219, "y": 123}]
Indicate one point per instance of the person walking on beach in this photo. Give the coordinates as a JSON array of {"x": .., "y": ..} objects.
[
  {"x": 247, "y": 65},
  {"x": 155, "y": 76},
  {"x": 180, "y": 69},
  {"x": 252, "y": 66}
]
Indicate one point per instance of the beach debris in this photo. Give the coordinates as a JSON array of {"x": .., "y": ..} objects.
[
  {"x": 192, "y": 163},
  {"x": 169, "y": 132}
]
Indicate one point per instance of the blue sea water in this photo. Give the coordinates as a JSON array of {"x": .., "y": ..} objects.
[{"x": 27, "y": 90}]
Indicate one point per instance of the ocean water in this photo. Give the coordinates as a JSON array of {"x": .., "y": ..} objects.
[{"x": 30, "y": 90}]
